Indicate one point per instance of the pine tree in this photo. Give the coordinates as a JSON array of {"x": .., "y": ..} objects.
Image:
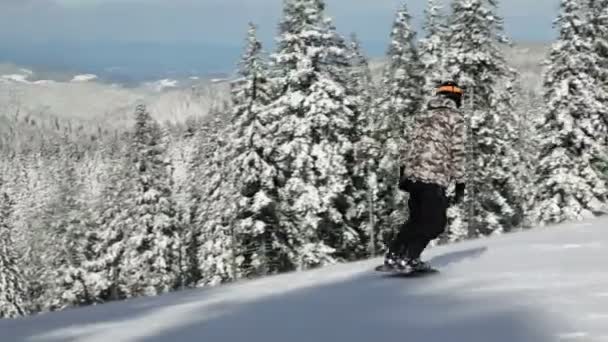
[
  {"x": 238, "y": 199},
  {"x": 186, "y": 173},
  {"x": 400, "y": 100},
  {"x": 531, "y": 110},
  {"x": 13, "y": 293},
  {"x": 402, "y": 92},
  {"x": 199, "y": 202},
  {"x": 33, "y": 223},
  {"x": 365, "y": 167},
  {"x": 598, "y": 30},
  {"x": 199, "y": 136},
  {"x": 432, "y": 48},
  {"x": 598, "y": 33},
  {"x": 180, "y": 150},
  {"x": 313, "y": 136},
  {"x": 151, "y": 256},
  {"x": 219, "y": 255},
  {"x": 475, "y": 61},
  {"x": 70, "y": 235},
  {"x": 21, "y": 184},
  {"x": 570, "y": 186},
  {"x": 111, "y": 215},
  {"x": 251, "y": 171}
]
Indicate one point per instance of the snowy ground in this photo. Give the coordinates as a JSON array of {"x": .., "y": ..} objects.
[{"x": 545, "y": 285}]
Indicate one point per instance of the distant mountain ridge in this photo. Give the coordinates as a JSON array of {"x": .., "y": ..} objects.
[
  {"x": 127, "y": 63},
  {"x": 91, "y": 98},
  {"x": 28, "y": 74},
  {"x": 524, "y": 56}
]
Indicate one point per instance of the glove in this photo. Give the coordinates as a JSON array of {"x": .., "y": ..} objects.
[
  {"x": 459, "y": 193},
  {"x": 404, "y": 184}
]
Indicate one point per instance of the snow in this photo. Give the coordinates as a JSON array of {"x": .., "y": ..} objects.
[
  {"x": 84, "y": 78},
  {"x": 218, "y": 80},
  {"x": 26, "y": 71},
  {"x": 44, "y": 82},
  {"x": 531, "y": 286},
  {"x": 16, "y": 78},
  {"x": 161, "y": 85}
]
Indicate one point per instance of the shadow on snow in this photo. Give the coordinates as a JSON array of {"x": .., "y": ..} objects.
[
  {"x": 374, "y": 308},
  {"x": 368, "y": 307}
]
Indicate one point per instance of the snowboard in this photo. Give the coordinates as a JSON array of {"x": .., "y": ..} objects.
[{"x": 408, "y": 274}]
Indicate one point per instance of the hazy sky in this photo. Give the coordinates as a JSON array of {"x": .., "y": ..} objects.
[{"x": 33, "y": 25}]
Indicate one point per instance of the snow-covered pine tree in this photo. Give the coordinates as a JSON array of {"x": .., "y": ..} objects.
[
  {"x": 219, "y": 253},
  {"x": 314, "y": 114},
  {"x": 111, "y": 220},
  {"x": 13, "y": 291},
  {"x": 19, "y": 172},
  {"x": 402, "y": 84},
  {"x": 151, "y": 257},
  {"x": 365, "y": 168},
  {"x": 569, "y": 185},
  {"x": 250, "y": 170},
  {"x": 69, "y": 238},
  {"x": 235, "y": 204},
  {"x": 183, "y": 150},
  {"x": 400, "y": 100},
  {"x": 510, "y": 179},
  {"x": 178, "y": 152},
  {"x": 200, "y": 172},
  {"x": 198, "y": 139},
  {"x": 597, "y": 14},
  {"x": 33, "y": 193},
  {"x": 598, "y": 28},
  {"x": 432, "y": 47},
  {"x": 531, "y": 108},
  {"x": 360, "y": 77},
  {"x": 474, "y": 59}
]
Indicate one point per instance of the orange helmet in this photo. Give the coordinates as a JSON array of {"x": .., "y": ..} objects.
[{"x": 451, "y": 90}]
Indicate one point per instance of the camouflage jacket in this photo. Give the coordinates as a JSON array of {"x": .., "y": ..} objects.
[{"x": 436, "y": 149}]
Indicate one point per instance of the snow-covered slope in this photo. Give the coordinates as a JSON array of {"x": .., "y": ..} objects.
[{"x": 549, "y": 284}]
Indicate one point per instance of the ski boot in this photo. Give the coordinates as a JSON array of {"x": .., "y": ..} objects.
[
  {"x": 417, "y": 265},
  {"x": 393, "y": 261}
]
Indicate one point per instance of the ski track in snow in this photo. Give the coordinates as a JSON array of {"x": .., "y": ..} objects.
[{"x": 543, "y": 285}]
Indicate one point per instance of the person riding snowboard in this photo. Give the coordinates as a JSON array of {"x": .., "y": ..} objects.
[{"x": 434, "y": 158}]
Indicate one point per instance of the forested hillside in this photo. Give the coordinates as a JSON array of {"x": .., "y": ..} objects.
[{"x": 299, "y": 170}]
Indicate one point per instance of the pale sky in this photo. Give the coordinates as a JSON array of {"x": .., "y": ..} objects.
[{"x": 34, "y": 25}]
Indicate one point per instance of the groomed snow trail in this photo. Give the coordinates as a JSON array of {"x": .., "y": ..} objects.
[{"x": 548, "y": 284}]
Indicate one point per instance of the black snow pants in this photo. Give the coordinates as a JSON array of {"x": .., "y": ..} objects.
[{"x": 428, "y": 205}]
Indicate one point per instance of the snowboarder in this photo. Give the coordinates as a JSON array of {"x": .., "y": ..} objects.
[{"x": 434, "y": 158}]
